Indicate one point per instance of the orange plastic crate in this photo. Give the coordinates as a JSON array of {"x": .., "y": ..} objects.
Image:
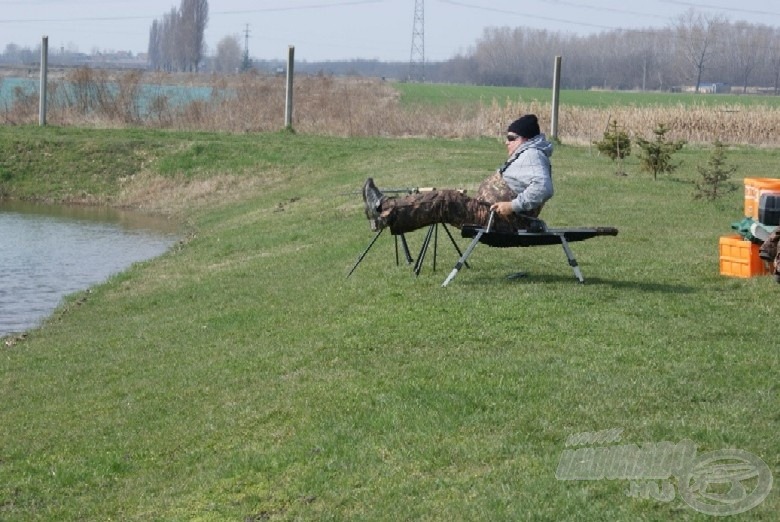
[
  {"x": 739, "y": 257},
  {"x": 754, "y": 189}
]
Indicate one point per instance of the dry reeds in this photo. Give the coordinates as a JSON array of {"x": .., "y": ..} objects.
[
  {"x": 357, "y": 107},
  {"x": 754, "y": 125}
]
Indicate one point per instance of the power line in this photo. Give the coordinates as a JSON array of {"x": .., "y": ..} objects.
[
  {"x": 727, "y": 9},
  {"x": 300, "y": 7},
  {"x": 231, "y": 12},
  {"x": 524, "y": 14},
  {"x": 529, "y": 14}
]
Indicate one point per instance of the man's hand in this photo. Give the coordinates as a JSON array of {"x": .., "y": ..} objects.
[{"x": 502, "y": 208}]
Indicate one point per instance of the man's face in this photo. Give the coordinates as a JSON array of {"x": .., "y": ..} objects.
[{"x": 512, "y": 142}]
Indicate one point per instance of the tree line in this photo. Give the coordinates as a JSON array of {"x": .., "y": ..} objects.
[{"x": 693, "y": 50}]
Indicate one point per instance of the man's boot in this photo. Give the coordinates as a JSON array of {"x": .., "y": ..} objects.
[{"x": 372, "y": 198}]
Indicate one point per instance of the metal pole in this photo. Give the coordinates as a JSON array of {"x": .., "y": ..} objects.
[
  {"x": 42, "y": 90},
  {"x": 555, "y": 102},
  {"x": 288, "y": 106},
  {"x": 467, "y": 253}
]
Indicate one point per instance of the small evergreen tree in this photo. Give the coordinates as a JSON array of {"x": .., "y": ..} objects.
[
  {"x": 715, "y": 177},
  {"x": 657, "y": 155},
  {"x": 615, "y": 144}
]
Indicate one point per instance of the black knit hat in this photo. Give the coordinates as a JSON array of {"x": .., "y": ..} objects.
[{"x": 526, "y": 126}]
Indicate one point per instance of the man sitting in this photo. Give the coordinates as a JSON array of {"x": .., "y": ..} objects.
[{"x": 516, "y": 192}]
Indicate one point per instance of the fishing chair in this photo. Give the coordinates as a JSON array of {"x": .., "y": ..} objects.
[{"x": 537, "y": 235}]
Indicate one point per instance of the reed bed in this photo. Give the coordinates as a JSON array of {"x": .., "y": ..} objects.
[{"x": 352, "y": 107}]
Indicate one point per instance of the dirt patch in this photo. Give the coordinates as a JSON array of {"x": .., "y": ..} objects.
[{"x": 164, "y": 195}]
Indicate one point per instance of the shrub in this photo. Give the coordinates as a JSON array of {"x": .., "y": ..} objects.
[
  {"x": 715, "y": 177},
  {"x": 657, "y": 155},
  {"x": 615, "y": 144}
]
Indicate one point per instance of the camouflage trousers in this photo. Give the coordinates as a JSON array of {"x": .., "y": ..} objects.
[
  {"x": 454, "y": 208},
  {"x": 769, "y": 252}
]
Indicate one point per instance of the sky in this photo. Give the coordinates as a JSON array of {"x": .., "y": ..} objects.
[{"x": 322, "y": 30}]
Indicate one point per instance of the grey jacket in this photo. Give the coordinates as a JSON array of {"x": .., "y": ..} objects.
[{"x": 529, "y": 174}]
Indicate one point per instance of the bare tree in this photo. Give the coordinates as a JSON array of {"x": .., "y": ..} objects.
[
  {"x": 228, "y": 58},
  {"x": 747, "y": 50},
  {"x": 177, "y": 43},
  {"x": 774, "y": 61},
  {"x": 697, "y": 38},
  {"x": 194, "y": 15},
  {"x": 494, "y": 56},
  {"x": 539, "y": 51},
  {"x": 154, "y": 49},
  {"x": 519, "y": 56},
  {"x": 647, "y": 63}
]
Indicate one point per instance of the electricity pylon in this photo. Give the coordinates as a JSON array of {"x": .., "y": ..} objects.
[
  {"x": 246, "y": 63},
  {"x": 417, "y": 57}
]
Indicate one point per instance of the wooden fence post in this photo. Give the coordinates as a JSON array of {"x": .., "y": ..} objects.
[
  {"x": 288, "y": 106},
  {"x": 44, "y": 74},
  {"x": 555, "y": 101}
]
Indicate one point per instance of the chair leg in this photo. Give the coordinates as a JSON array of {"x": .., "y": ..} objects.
[
  {"x": 463, "y": 258},
  {"x": 408, "y": 254},
  {"x": 452, "y": 239},
  {"x": 363, "y": 254},
  {"x": 405, "y": 245},
  {"x": 471, "y": 247},
  {"x": 572, "y": 261},
  {"x": 435, "y": 244},
  {"x": 424, "y": 249}
]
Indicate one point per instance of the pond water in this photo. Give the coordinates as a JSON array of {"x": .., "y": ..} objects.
[
  {"x": 50, "y": 251},
  {"x": 175, "y": 95}
]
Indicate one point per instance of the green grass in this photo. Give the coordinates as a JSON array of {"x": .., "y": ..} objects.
[
  {"x": 431, "y": 94},
  {"x": 242, "y": 377}
]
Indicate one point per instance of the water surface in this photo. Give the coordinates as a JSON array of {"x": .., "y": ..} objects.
[
  {"x": 50, "y": 251},
  {"x": 174, "y": 95}
]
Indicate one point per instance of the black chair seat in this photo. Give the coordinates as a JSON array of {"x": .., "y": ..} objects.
[{"x": 551, "y": 236}]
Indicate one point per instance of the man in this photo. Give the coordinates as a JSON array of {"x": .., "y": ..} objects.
[
  {"x": 769, "y": 253},
  {"x": 516, "y": 192}
]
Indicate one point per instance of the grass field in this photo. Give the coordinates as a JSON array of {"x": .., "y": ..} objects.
[
  {"x": 242, "y": 377},
  {"x": 427, "y": 94}
]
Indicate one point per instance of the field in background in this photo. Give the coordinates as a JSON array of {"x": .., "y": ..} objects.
[
  {"x": 242, "y": 377},
  {"x": 446, "y": 94},
  {"x": 357, "y": 107}
]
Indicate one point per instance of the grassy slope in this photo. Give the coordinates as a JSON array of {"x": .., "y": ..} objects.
[{"x": 242, "y": 377}]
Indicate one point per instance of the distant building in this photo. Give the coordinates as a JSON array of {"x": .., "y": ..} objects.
[{"x": 714, "y": 88}]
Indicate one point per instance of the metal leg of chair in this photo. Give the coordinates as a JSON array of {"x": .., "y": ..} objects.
[
  {"x": 572, "y": 261},
  {"x": 407, "y": 253},
  {"x": 435, "y": 244},
  {"x": 471, "y": 247},
  {"x": 463, "y": 257},
  {"x": 423, "y": 250},
  {"x": 363, "y": 254},
  {"x": 452, "y": 239}
]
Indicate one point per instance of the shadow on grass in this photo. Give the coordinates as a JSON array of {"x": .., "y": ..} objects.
[
  {"x": 643, "y": 286},
  {"x": 531, "y": 278}
]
